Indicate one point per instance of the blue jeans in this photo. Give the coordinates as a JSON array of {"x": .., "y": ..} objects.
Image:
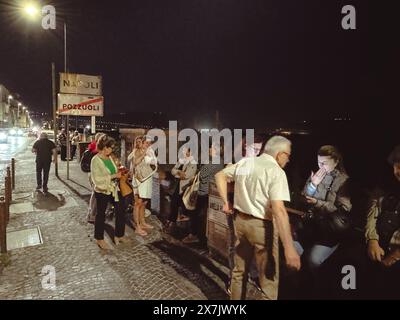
[{"x": 317, "y": 253}]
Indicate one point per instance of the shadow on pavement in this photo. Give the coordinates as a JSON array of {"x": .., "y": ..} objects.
[
  {"x": 71, "y": 184},
  {"x": 48, "y": 201},
  {"x": 188, "y": 264}
]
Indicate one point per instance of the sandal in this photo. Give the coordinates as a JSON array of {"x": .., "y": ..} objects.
[
  {"x": 141, "y": 232},
  {"x": 102, "y": 245},
  {"x": 147, "y": 226},
  {"x": 117, "y": 240},
  {"x": 182, "y": 218}
]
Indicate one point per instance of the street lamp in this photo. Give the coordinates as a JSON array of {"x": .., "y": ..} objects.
[
  {"x": 19, "y": 105},
  {"x": 31, "y": 10}
]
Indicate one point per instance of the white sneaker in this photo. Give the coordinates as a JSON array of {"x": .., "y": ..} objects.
[{"x": 147, "y": 213}]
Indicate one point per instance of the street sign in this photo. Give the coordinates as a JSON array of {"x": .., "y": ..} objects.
[
  {"x": 80, "y": 84},
  {"x": 80, "y": 105}
]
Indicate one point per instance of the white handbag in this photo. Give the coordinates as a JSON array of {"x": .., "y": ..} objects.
[{"x": 190, "y": 195}]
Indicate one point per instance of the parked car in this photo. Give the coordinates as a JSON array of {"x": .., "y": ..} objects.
[
  {"x": 3, "y": 135},
  {"x": 16, "y": 132}
]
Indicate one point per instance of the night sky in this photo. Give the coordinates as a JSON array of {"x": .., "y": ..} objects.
[{"x": 255, "y": 61}]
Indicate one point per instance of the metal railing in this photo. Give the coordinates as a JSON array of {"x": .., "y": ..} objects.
[{"x": 5, "y": 202}]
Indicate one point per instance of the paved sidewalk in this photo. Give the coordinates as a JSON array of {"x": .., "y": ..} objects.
[{"x": 154, "y": 267}]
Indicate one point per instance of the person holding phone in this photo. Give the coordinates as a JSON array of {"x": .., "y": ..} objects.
[
  {"x": 104, "y": 175},
  {"x": 326, "y": 192}
]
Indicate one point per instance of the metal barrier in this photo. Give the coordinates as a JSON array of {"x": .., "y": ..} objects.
[
  {"x": 3, "y": 225},
  {"x": 8, "y": 186},
  {"x": 5, "y": 202},
  {"x": 13, "y": 173}
]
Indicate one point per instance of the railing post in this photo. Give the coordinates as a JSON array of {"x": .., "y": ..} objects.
[
  {"x": 13, "y": 173},
  {"x": 8, "y": 186},
  {"x": 7, "y": 192},
  {"x": 3, "y": 226}
]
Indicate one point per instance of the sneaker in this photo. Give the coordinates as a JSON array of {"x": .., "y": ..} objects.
[
  {"x": 255, "y": 282},
  {"x": 38, "y": 187},
  {"x": 228, "y": 288},
  {"x": 190, "y": 239}
]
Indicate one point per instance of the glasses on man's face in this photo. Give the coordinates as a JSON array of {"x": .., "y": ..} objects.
[{"x": 287, "y": 154}]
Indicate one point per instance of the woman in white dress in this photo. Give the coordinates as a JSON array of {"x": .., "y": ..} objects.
[{"x": 142, "y": 152}]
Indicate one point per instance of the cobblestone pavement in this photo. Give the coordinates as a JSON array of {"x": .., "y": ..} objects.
[{"x": 155, "y": 267}]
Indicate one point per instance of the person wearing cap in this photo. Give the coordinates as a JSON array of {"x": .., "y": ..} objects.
[
  {"x": 43, "y": 148},
  {"x": 382, "y": 235}
]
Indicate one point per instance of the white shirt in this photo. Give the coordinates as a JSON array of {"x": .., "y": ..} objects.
[{"x": 257, "y": 181}]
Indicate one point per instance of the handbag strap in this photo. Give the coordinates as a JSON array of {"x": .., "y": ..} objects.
[
  {"x": 150, "y": 175},
  {"x": 329, "y": 188},
  {"x": 196, "y": 177}
]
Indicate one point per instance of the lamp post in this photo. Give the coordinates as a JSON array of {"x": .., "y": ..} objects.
[
  {"x": 32, "y": 11},
  {"x": 19, "y": 105},
  {"x": 9, "y": 98}
]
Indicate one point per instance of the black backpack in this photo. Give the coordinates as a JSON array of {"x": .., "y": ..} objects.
[{"x": 86, "y": 160}]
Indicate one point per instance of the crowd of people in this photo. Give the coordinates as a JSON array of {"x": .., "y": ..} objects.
[
  {"x": 260, "y": 205},
  {"x": 256, "y": 198},
  {"x": 74, "y": 139}
]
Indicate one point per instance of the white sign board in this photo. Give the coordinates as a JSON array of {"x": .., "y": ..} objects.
[
  {"x": 80, "y": 84},
  {"x": 215, "y": 213},
  {"x": 80, "y": 105}
]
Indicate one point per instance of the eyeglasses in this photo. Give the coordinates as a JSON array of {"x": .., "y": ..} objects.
[{"x": 287, "y": 154}]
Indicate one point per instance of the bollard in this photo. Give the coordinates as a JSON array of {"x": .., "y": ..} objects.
[
  {"x": 8, "y": 191},
  {"x": 13, "y": 173},
  {"x": 7, "y": 195},
  {"x": 3, "y": 226}
]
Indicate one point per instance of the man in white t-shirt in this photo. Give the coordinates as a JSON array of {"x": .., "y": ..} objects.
[{"x": 260, "y": 191}]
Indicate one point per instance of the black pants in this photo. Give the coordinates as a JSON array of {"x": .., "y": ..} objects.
[
  {"x": 45, "y": 167},
  {"x": 63, "y": 153},
  {"x": 102, "y": 200},
  {"x": 198, "y": 219},
  {"x": 176, "y": 203},
  {"x": 73, "y": 151}
]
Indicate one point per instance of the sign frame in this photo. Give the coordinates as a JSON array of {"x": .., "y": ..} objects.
[
  {"x": 81, "y": 84},
  {"x": 80, "y": 105}
]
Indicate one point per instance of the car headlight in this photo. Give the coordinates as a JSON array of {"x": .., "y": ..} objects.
[
  {"x": 13, "y": 132},
  {"x": 3, "y": 136}
]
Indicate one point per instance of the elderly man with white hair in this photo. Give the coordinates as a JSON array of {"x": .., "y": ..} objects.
[
  {"x": 43, "y": 148},
  {"x": 260, "y": 216}
]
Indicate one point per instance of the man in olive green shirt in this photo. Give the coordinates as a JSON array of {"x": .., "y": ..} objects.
[{"x": 382, "y": 234}]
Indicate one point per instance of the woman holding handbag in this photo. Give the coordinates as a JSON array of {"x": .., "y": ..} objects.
[
  {"x": 142, "y": 158},
  {"x": 198, "y": 217},
  {"x": 104, "y": 175},
  {"x": 326, "y": 193},
  {"x": 183, "y": 171}
]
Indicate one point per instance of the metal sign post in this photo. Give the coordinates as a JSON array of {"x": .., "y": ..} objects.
[
  {"x": 53, "y": 80},
  {"x": 68, "y": 146},
  {"x": 80, "y": 95},
  {"x": 93, "y": 125}
]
